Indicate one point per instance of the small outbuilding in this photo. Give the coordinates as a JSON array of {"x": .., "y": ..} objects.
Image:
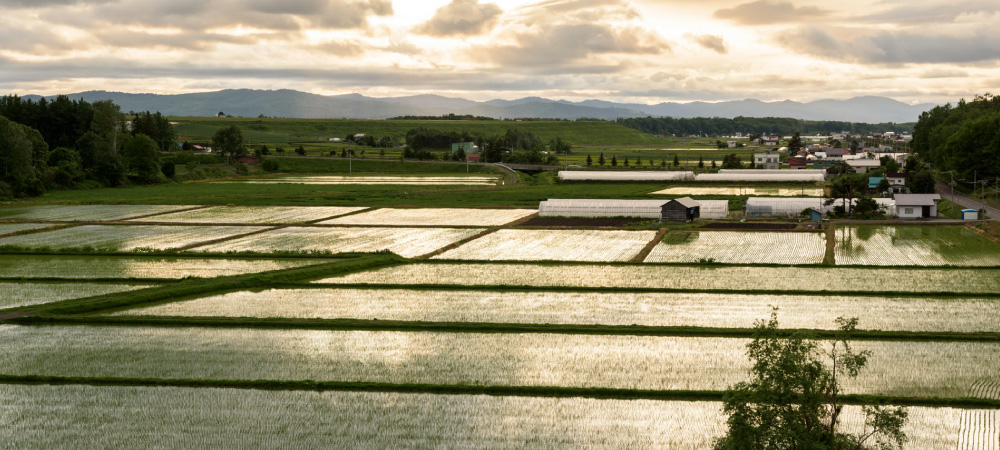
[
  {"x": 970, "y": 214},
  {"x": 684, "y": 209},
  {"x": 815, "y": 215}
]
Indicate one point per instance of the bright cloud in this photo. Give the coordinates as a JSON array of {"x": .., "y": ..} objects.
[{"x": 645, "y": 51}]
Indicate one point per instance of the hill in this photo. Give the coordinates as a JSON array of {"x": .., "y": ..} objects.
[{"x": 295, "y": 104}]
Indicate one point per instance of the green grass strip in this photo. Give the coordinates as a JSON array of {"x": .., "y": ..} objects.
[
  {"x": 461, "y": 389},
  {"x": 207, "y": 286}
]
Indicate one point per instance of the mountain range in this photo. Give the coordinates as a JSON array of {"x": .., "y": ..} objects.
[{"x": 296, "y": 104}]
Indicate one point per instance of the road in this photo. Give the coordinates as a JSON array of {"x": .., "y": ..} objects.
[{"x": 945, "y": 190}]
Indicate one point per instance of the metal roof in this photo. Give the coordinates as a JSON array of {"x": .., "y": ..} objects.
[
  {"x": 687, "y": 202},
  {"x": 916, "y": 199}
]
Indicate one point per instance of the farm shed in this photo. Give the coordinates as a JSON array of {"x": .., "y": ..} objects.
[
  {"x": 684, "y": 209},
  {"x": 588, "y": 175},
  {"x": 915, "y": 206},
  {"x": 647, "y": 209},
  {"x": 786, "y": 175}
]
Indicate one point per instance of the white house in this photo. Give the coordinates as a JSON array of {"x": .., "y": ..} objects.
[
  {"x": 766, "y": 161},
  {"x": 864, "y": 165},
  {"x": 916, "y": 206}
]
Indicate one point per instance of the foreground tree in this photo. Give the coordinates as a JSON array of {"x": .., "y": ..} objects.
[{"x": 792, "y": 398}]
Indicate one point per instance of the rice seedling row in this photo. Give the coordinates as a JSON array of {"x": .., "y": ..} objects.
[
  {"x": 385, "y": 180},
  {"x": 255, "y": 214},
  {"x": 83, "y": 212},
  {"x": 914, "y": 246},
  {"x": 838, "y": 279},
  {"x": 553, "y": 245},
  {"x": 649, "y": 309},
  {"x": 24, "y": 294},
  {"x": 125, "y": 267},
  {"x": 910, "y": 369},
  {"x": 70, "y": 417},
  {"x": 10, "y": 228},
  {"x": 979, "y": 430},
  {"x": 750, "y": 191},
  {"x": 758, "y": 247},
  {"x": 407, "y": 242},
  {"x": 434, "y": 216},
  {"x": 126, "y": 237}
]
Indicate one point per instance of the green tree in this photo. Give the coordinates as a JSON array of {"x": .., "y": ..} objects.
[
  {"x": 169, "y": 169},
  {"x": 590, "y": 161},
  {"x": 614, "y": 161},
  {"x": 847, "y": 187},
  {"x": 883, "y": 186},
  {"x": 300, "y": 150},
  {"x": 677, "y": 161},
  {"x": 16, "y": 169},
  {"x": 795, "y": 144},
  {"x": 701, "y": 162},
  {"x": 792, "y": 399},
  {"x": 557, "y": 145},
  {"x": 626, "y": 161},
  {"x": 600, "y": 160},
  {"x": 731, "y": 161},
  {"x": 663, "y": 163},
  {"x": 142, "y": 156},
  {"x": 228, "y": 142}
]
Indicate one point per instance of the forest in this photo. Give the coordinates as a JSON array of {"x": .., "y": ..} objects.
[
  {"x": 717, "y": 126},
  {"x": 964, "y": 138},
  {"x": 67, "y": 143}
]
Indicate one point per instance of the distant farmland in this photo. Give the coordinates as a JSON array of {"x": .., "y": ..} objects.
[{"x": 287, "y": 131}]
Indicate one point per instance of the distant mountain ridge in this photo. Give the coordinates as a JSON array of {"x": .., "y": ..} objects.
[{"x": 296, "y": 104}]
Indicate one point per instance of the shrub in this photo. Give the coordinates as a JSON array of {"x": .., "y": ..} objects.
[
  {"x": 169, "y": 169},
  {"x": 270, "y": 165}
]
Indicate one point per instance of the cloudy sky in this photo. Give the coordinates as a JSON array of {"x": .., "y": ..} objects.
[{"x": 645, "y": 51}]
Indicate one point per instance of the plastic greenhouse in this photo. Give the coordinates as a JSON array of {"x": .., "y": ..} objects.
[
  {"x": 785, "y": 175},
  {"x": 792, "y": 206},
  {"x": 587, "y": 175},
  {"x": 714, "y": 209},
  {"x": 647, "y": 209}
]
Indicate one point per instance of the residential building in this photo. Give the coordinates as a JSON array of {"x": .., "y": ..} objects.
[
  {"x": 897, "y": 181},
  {"x": 917, "y": 206},
  {"x": 864, "y": 165},
  {"x": 797, "y": 163},
  {"x": 766, "y": 161}
]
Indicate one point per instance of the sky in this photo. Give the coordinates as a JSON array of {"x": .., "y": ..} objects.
[{"x": 641, "y": 51}]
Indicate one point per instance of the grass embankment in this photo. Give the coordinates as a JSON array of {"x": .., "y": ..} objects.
[{"x": 519, "y": 391}]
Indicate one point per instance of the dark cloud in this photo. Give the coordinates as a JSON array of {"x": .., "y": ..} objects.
[
  {"x": 711, "y": 42},
  {"x": 461, "y": 17},
  {"x": 767, "y": 12},
  {"x": 971, "y": 45}
]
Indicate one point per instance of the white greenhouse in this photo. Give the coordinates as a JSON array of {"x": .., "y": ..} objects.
[
  {"x": 792, "y": 206},
  {"x": 746, "y": 171},
  {"x": 785, "y": 175},
  {"x": 647, "y": 209},
  {"x": 714, "y": 209},
  {"x": 650, "y": 175}
]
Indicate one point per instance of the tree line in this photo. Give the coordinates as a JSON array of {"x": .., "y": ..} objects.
[
  {"x": 514, "y": 145},
  {"x": 964, "y": 138},
  {"x": 717, "y": 126},
  {"x": 66, "y": 144}
]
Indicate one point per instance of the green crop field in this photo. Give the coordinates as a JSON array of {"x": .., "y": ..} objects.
[
  {"x": 139, "y": 267},
  {"x": 915, "y": 246},
  {"x": 621, "y": 308},
  {"x": 24, "y": 294},
  {"x": 911, "y": 369},
  {"x": 727, "y": 278},
  {"x": 64, "y": 417}
]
